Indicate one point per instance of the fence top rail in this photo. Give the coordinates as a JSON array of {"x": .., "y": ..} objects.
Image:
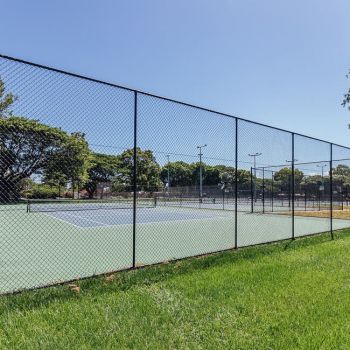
[{"x": 10, "y": 58}]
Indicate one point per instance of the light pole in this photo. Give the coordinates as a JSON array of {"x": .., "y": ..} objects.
[
  {"x": 200, "y": 170},
  {"x": 254, "y": 155},
  {"x": 168, "y": 157}
]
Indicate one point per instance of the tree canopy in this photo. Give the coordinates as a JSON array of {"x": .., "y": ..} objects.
[
  {"x": 104, "y": 168},
  {"x": 148, "y": 171},
  {"x": 180, "y": 174},
  {"x": 284, "y": 177},
  {"x": 346, "y": 100},
  {"x": 6, "y": 100},
  {"x": 71, "y": 161},
  {"x": 28, "y": 146}
]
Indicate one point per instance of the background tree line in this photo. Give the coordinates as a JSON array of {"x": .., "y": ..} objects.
[{"x": 64, "y": 163}]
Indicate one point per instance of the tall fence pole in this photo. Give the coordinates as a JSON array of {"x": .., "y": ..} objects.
[
  {"x": 236, "y": 185},
  {"x": 331, "y": 187},
  {"x": 134, "y": 184},
  {"x": 272, "y": 189},
  {"x": 293, "y": 189},
  {"x": 263, "y": 190},
  {"x": 251, "y": 191}
]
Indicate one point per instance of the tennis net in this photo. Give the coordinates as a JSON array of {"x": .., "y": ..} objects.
[
  {"x": 193, "y": 202},
  {"x": 52, "y": 205}
]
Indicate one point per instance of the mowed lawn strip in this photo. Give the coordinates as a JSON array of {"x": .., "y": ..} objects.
[{"x": 290, "y": 295}]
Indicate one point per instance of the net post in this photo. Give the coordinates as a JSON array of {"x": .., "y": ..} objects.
[
  {"x": 134, "y": 184},
  {"x": 236, "y": 184},
  {"x": 331, "y": 188},
  {"x": 293, "y": 189}
]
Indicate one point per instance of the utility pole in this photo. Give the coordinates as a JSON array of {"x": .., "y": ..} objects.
[
  {"x": 200, "y": 170},
  {"x": 254, "y": 155}
]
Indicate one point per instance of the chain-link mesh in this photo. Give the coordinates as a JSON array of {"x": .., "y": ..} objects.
[
  {"x": 97, "y": 178},
  {"x": 340, "y": 187},
  {"x": 312, "y": 186},
  {"x": 192, "y": 157},
  {"x": 60, "y": 141},
  {"x": 259, "y": 149}
]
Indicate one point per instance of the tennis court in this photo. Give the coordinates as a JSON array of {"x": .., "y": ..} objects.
[
  {"x": 41, "y": 247},
  {"x": 101, "y": 218}
]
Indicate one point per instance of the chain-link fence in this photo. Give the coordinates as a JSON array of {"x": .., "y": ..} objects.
[{"x": 97, "y": 178}]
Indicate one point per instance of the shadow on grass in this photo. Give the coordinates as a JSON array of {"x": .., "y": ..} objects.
[{"x": 148, "y": 275}]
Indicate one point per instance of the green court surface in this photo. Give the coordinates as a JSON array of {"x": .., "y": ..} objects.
[{"x": 39, "y": 249}]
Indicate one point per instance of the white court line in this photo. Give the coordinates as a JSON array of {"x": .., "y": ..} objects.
[
  {"x": 66, "y": 222},
  {"x": 161, "y": 222},
  {"x": 84, "y": 219},
  {"x": 143, "y": 223},
  {"x": 102, "y": 224}
]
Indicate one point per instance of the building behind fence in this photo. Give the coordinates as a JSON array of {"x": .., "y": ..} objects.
[{"x": 97, "y": 178}]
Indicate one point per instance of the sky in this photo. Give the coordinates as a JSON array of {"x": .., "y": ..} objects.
[{"x": 276, "y": 62}]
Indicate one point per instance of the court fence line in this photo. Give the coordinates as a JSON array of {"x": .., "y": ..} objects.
[{"x": 41, "y": 152}]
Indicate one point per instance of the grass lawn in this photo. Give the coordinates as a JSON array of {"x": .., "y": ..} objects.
[{"x": 290, "y": 295}]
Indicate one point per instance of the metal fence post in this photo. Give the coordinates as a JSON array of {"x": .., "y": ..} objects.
[
  {"x": 251, "y": 191},
  {"x": 263, "y": 190},
  {"x": 272, "y": 189},
  {"x": 236, "y": 185},
  {"x": 134, "y": 184},
  {"x": 223, "y": 199},
  {"x": 293, "y": 189},
  {"x": 331, "y": 187}
]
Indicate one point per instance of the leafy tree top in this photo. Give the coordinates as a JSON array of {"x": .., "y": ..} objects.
[
  {"x": 28, "y": 146},
  {"x": 6, "y": 100}
]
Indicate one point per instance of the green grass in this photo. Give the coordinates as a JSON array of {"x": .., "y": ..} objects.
[{"x": 291, "y": 295}]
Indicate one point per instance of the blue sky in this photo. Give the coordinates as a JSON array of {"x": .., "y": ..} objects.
[{"x": 276, "y": 62}]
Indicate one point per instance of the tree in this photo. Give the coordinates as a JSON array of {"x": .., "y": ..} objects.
[
  {"x": 104, "y": 168},
  {"x": 211, "y": 175},
  {"x": 341, "y": 170},
  {"x": 28, "y": 146},
  {"x": 148, "y": 171},
  {"x": 341, "y": 178},
  {"x": 6, "y": 100},
  {"x": 71, "y": 162},
  {"x": 228, "y": 175},
  {"x": 284, "y": 176},
  {"x": 180, "y": 174},
  {"x": 346, "y": 100},
  {"x": 313, "y": 184}
]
